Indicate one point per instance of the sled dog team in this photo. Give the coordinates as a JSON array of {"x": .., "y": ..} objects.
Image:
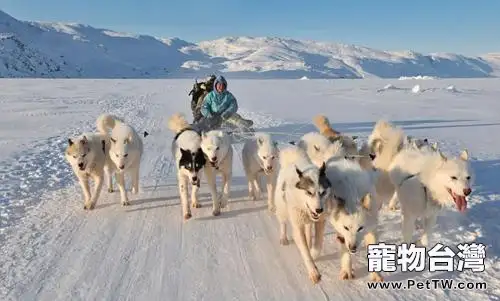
[{"x": 322, "y": 177}]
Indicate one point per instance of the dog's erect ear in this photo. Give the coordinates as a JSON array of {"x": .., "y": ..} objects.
[
  {"x": 335, "y": 139},
  {"x": 299, "y": 172},
  {"x": 434, "y": 146},
  {"x": 145, "y": 134},
  {"x": 464, "y": 155},
  {"x": 377, "y": 145},
  {"x": 322, "y": 170},
  {"x": 443, "y": 157},
  {"x": 70, "y": 142},
  {"x": 366, "y": 201}
]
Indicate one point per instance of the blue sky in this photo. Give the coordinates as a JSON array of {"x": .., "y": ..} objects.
[{"x": 463, "y": 26}]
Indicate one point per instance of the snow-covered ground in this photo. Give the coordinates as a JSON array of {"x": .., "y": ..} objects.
[{"x": 51, "y": 249}]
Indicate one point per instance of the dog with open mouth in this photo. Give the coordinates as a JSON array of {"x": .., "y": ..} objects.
[
  {"x": 260, "y": 157},
  {"x": 217, "y": 148},
  {"x": 436, "y": 181},
  {"x": 301, "y": 196}
]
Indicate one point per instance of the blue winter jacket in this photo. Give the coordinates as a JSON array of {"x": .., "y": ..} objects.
[{"x": 215, "y": 103}]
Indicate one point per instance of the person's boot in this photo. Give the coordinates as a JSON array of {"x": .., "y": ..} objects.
[
  {"x": 207, "y": 124},
  {"x": 242, "y": 124},
  {"x": 239, "y": 122}
]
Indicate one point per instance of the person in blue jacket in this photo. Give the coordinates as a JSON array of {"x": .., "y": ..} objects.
[{"x": 221, "y": 105}]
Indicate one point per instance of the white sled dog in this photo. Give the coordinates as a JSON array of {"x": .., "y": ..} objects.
[
  {"x": 125, "y": 151},
  {"x": 216, "y": 146},
  {"x": 88, "y": 156},
  {"x": 319, "y": 148},
  {"x": 355, "y": 210},
  {"x": 385, "y": 142},
  {"x": 189, "y": 161},
  {"x": 322, "y": 123},
  {"x": 435, "y": 181},
  {"x": 412, "y": 151},
  {"x": 301, "y": 195},
  {"x": 260, "y": 156}
]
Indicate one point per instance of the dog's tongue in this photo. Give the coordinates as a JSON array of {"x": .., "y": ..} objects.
[{"x": 461, "y": 203}]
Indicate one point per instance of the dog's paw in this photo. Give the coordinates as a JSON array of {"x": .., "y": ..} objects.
[
  {"x": 376, "y": 277},
  {"x": 88, "y": 206},
  {"x": 126, "y": 203},
  {"x": 315, "y": 253},
  {"x": 315, "y": 276},
  {"x": 134, "y": 190},
  {"x": 284, "y": 241},
  {"x": 187, "y": 216},
  {"x": 346, "y": 275},
  {"x": 195, "y": 205},
  {"x": 216, "y": 212},
  {"x": 111, "y": 190}
]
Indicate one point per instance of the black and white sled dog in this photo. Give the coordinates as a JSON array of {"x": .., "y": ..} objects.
[
  {"x": 125, "y": 151},
  {"x": 189, "y": 159},
  {"x": 216, "y": 146},
  {"x": 301, "y": 197},
  {"x": 260, "y": 157}
]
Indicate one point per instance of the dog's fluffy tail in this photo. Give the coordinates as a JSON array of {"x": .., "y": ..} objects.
[
  {"x": 177, "y": 122},
  {"x": 290, "y": 155},
  {"x": 322, "y": 123},
  {"x": 392, "y": 138},
  {"x": 106, "y": 122}
]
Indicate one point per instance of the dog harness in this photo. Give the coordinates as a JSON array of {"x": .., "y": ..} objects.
[
  {"x": 183, "y": 130},
  {"x": 428, "y": 199}
]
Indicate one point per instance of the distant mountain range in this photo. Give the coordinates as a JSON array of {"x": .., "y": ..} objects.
[{"x": 69, "y": 50}]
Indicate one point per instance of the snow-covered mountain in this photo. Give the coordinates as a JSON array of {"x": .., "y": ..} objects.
[{"x": 41, "y": 49}]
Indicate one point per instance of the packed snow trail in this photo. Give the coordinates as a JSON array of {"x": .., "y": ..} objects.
[{"x": 145, "y": 251}]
